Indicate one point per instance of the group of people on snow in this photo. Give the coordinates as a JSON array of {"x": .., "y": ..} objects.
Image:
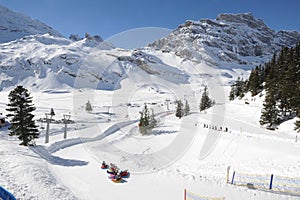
[
  {"x": 213, "y": 127},
  {"x": 114, "y": 171}
]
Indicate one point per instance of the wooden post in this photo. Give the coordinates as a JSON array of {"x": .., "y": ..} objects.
[
  {"x": 227, "y": 178},
  {"x": 184, "y": 194}
]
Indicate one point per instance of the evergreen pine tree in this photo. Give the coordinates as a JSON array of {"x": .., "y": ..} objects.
[
  {"x": 206, "y": 102},
  {"x": 232, "y": 92},
  {"x": 283, "y": 81},
  {"x": 186, "y": 108},
  {"x": 270, "y": 112},
  {"x": 297, "y": 123},
  {"x": 144, "y": 121},
  {"x": 292, "y": 82},
  {"x": 22, "y": 123},
  {"x": 152, "y": 120},
  {"x": 280, "y": 78},
  {"x": 88, "y": 106},
  {"x": 179, "y": 109},
  {"x": 239, "y": 88},
  {"x": 254, "y": 83}
]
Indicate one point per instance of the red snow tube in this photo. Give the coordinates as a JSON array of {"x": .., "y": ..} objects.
[
  {"x": 124, "y": 173},
  {"x": 104, "y": 166}
]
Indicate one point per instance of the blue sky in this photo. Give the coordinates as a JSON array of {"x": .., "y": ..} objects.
[{"x": 107, "y": 18}]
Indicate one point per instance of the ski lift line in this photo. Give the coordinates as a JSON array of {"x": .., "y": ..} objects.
[{"x": 266, "y": 133}]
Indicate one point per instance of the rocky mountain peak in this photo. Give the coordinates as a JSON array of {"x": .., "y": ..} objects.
[
  {"x": 246, "y": 18},
  {"x": 230, "y": 40}
]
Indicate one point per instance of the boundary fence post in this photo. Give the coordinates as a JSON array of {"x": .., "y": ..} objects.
[
  {"x": 271, "y": 182},
  {"x": 233, "y": 177}
]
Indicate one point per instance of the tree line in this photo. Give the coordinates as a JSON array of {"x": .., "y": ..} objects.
[
  {"x": 148, "y": 122},
  {"x": 22, "y": 124},
  {"x": 280, "y": 79}
]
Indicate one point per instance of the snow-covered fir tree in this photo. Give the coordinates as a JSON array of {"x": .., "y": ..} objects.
[
  {"x": 237, "y": 89},
  {"x": 179, "y": 109},
  {"x": 88, "y": 106},
  {"x": 297, "y": 123},
  {"x": 269, "y": 114},
  {"x": 147, "y": 121},
  {"x": 205, "y": 102},
  {"x": 152, "y": 120},
  {"x": 22, "y": 124},
  {"x": 280, "y": 78},
  {"x": 186, "y": 108}
]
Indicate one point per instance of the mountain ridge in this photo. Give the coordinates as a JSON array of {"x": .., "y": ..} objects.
[
  {"x": 229, "y": 38},
  {"x": 15, "y": 25},
  {"x": 230, "y": 41}
]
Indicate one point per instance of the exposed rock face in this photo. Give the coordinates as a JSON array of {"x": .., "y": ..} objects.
[{"x": 230, "y": 38}]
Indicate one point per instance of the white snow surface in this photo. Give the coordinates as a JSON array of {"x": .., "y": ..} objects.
[
  {"x": 70, "y": 168},
  {"x": 180, "y": 154}
]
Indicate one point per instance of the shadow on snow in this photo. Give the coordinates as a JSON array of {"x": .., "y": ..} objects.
[{"x": 55, "y": 160}]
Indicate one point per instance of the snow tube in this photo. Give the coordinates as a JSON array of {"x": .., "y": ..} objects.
[
  {"x": 104, "y": 166},
  {"x": 124, "y": 174},
  {"x": 110, "y": 172},
  {"x": 117, "y": 180},
  {"x": 5, "y": 195}
]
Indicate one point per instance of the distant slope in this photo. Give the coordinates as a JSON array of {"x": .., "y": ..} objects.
[
  {"x": 15, "y": 26},
  {"x": 44, "y": 62}
]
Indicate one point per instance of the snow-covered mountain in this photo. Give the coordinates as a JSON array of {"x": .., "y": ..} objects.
[
  {"x": 190, "y": 153},
  {"x": 15, "y": 26},
  {"x": 190, "y": 53},
  {"x": 231, "y": 39}
]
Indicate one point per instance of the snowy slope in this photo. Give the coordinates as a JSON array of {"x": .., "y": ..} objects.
[
  {"x": 64, "y": 74},
  {"x": 15, "y": 26},
  {"x": 32, "y": 60},
  {"x": 35, "y": 60},
  {"x": 70, "y": 169}
]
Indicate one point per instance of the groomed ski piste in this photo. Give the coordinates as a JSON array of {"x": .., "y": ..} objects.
[{"x": 71, "y": 168}]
